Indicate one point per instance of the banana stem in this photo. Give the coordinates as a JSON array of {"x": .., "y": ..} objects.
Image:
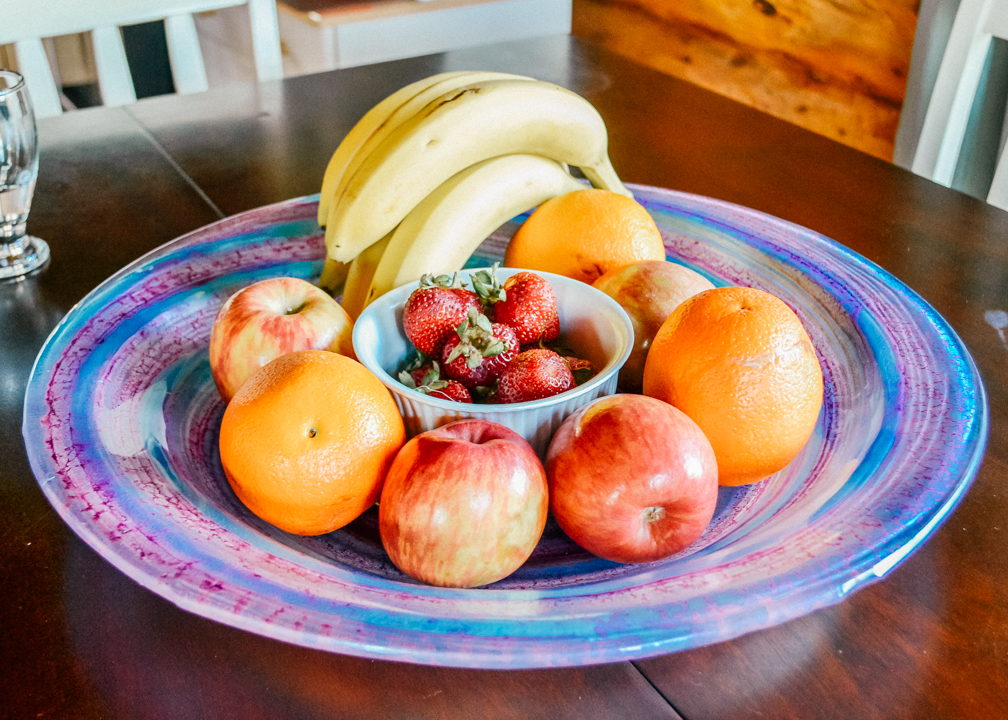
[{"x": 603, "y": 175}]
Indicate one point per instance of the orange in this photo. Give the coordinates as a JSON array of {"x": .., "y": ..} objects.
[
  {"x": 740, "y": 364},
  {"x": 307, "y": 440},
  {"x": 584, "y": 234}
]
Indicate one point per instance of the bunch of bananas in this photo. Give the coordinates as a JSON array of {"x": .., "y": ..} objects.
[{"x": 429, "y": 172}]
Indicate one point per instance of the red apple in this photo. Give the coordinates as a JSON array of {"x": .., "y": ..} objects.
[
  {"x": 649, "y": 292},
  {"x": 269, "y": 319},
  {"x": 463, "y": 505},
  {"x": 631, "y": 478}
]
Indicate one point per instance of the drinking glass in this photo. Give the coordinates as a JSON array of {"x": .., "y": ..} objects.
[{"x": 19, "y": 253}]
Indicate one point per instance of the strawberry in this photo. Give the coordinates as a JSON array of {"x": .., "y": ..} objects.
[
  {"x": 453, "y": 390},
  {"x": 478, "y": 352},
  {"x": 426, "y": 380},
  {"x": 534, "y": 374},
  {"x": 434, "y": 310},
  {"x": 551, "y": 334},
  {"x": 529, "y": 306},
  {"x": 457, "y": 365},
  {"x": 496, "y": 363},
  {"x": 420, "y": 375},
  {"x": 552, "y": 331}
]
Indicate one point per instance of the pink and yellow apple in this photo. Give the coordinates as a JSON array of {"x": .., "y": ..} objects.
[
  {"x": 272, "y": 318},
  {"x": 649, "y": 291},
  {"x": 632, "y": 479},
  {"x": 463, "y": 505}
]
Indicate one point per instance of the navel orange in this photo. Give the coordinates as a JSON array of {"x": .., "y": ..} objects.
[
  {"x": 307, "y": 440},
  {"x": 739, "y": 363},
  {"x": 584, "y": 234}
]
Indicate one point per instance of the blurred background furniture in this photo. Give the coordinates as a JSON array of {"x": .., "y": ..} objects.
[
  {"x": 836, "y": 68},
  {"x": 958, "y": 139},
  {"x": 27, "y": 29},
  {"x": 223, "y": 38},
  {"x": 321, "y": 35},
  {"x": 842, "y": 71},
  {"x": 934, "y": 25}
]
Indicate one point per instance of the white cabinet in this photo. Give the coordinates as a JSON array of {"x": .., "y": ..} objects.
[{"x": 346, "y": 35}]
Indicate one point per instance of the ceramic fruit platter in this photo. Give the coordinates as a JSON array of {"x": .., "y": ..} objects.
[{"x": 121, "y": 420}]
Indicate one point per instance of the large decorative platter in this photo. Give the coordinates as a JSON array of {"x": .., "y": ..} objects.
[{"x": 121, "y": 419}]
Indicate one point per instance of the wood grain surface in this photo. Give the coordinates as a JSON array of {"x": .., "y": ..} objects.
[
  {"x": 838, "y": 67},
  {"x": 81, "y": 640},
  {"x": 105, "y": 196}
]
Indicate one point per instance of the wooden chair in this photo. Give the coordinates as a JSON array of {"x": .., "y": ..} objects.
[
  {"x": 977, "y": 23},
  {"x": 26, "y": 29}
]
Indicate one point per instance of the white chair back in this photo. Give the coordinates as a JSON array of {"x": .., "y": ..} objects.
[
  {"x": 26, "y": 29},
  {"x": 977, "y": 23}
]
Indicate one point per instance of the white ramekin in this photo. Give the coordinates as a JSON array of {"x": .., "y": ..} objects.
[{"x": 592, "y": 324}]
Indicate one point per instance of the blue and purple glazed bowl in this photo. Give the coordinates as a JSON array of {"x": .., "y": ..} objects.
[{"x": 121, "y": 420}]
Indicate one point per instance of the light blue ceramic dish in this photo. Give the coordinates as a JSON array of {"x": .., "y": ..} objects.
[
  {"x": 121, "y": 418},
  {"x": 591, "y": 323}
]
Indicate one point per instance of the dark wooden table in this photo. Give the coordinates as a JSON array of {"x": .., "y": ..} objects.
[{"x": 78, "y": 639}]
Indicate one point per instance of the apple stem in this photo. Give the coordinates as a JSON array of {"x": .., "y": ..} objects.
[{"x": 295, "y": 311}]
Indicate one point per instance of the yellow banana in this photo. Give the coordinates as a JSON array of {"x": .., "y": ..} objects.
[
  {"x": 359, "y": 133},
  {"x": 465, "y": 126},
  {"x": 384, "y": 117},
  {"x": 444, "y": 229},
  {"x": 376, "y": 124},
  {"x": 444, "y": 83},
  {"x": 334, "y": 274},
  {"x": 359, "y": 277}
]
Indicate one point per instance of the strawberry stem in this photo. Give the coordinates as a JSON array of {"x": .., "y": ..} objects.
[{"x": 488, "y": 288}]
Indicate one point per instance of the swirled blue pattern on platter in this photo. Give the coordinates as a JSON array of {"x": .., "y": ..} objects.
[{"x": 121, "y": 420}]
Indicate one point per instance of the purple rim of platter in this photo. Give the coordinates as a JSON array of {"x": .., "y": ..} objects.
[{"x": 121, "y": 418}]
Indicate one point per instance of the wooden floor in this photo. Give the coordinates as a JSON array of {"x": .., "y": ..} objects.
[{"x": 837, "y": 67}]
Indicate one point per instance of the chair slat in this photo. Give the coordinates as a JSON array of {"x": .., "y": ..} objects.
[
  {"x": 23, "y": 19},
  {"x": 104, "y": 19},
  {"x": 266, "y": 39},
  {"x": 997, "y": 22},
  {"x": 185, "y": 55},
  {"x": 114, "y": 78},
  {"x": 997, "y": 25},
  {"x": 977, "y": 23},
  {"x": 998, "y": 195},
  {"x": 948, "y": 111},
  {"x": 34, "y": 66},
  {"x": 959, "y": 114}
]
